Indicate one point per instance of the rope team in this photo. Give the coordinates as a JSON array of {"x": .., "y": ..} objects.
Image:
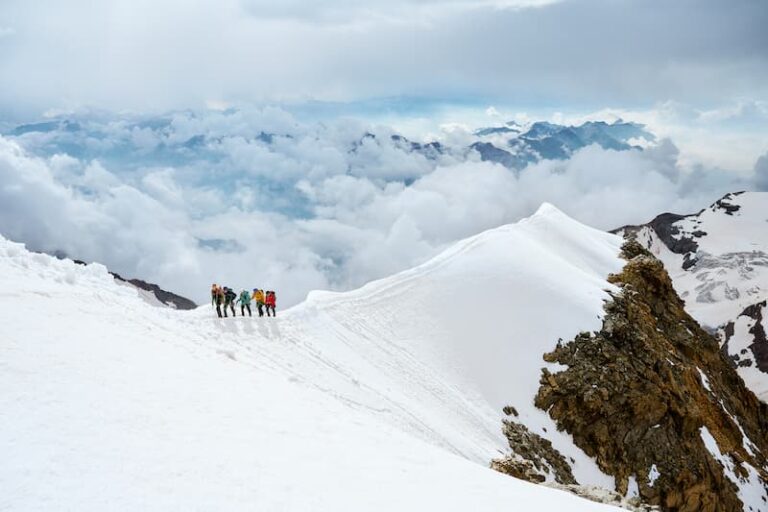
[{"x": 225, "y": 296}]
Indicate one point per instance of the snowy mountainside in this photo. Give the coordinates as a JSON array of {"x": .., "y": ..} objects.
[
  {"x": 718, "y": 261},
  {"x": 387, "y": 397}
]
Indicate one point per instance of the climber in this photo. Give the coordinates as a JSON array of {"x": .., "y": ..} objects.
[
  {"x": 217, "y": 296},
  {"x": 271, "y": 302},
  {"x": 245, "y": 302},
  {"x": 229, "y": 300},
  {"x": 258, "y": 296},
  {"x": 214, "y": 291}
]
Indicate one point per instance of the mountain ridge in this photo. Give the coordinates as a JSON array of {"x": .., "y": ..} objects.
[
  {"x": 394, "y": 372},
  {"x": 718, "y": 261}
]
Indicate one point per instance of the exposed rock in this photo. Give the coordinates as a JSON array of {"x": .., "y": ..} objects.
[
  {"x": 168, "y": 298},
  {"x": 756, "y": 351},
  {"x": 639, "y": 394},
  {"x": 725, "y": 204},
  {"x": 718, "y": 260},
  {"x": 670, "y": 234},
  {"x": 532, "y": 457}
]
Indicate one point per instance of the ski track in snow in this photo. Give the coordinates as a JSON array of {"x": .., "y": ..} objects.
[{"x": 384, "y": 398}]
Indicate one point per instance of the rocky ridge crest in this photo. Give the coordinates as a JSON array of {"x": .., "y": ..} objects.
[{"x": 656, "y": 402}]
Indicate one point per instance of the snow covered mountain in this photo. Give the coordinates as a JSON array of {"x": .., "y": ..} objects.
[
  {"x": 388, "y": 397},
  {"x": 516, "y": 146},
  {"x": 718, "y": 261}
]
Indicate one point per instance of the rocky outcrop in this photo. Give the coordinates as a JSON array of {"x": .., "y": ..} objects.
[
  {"x": 641, "y": 394},
  {"x": 532, "y": 457},
  {"x": 665, "y": 228},
  {"x": 168, "y": 298},
  {"x": 653, "y": 399},
  {"x": 718, "y": 260},
  {"x": 744, "y": 339}
]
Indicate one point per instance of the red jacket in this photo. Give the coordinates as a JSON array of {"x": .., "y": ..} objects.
[{"x": 270, "y": 300}]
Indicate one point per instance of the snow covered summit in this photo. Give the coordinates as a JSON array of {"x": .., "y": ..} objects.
[{"x": 387, "y": 397}]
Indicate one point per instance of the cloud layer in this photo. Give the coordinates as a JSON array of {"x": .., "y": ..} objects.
[
  {"x": 257, "y": 198},
  {"x": 141, "y": 54}
]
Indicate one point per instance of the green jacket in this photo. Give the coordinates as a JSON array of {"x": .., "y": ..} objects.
[{"x": 245, "y": 297}]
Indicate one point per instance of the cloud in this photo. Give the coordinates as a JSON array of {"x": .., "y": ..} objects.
[
  {"x": 748, "y": 111},
  {"x": 491, "y": 51},
  {"x": 761, "y": 173},
  {"x": 729, "y": 135},
  {"x": 258, "y": 198},
  {"x": 387, "y": 11}
]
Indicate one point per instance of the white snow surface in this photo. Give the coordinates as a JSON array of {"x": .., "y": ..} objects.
[
  {"x": 653, "y": 475},
  {"x": 385, "y": 398},
  {"x": 732, "y": 268}
]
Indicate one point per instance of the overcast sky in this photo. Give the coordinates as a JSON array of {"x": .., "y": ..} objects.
[{"x": 149, "y": 54}]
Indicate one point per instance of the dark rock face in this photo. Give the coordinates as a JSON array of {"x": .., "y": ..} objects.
[
  {"x": 639, "y": 395},
  {"x": 664, "y": 227},
  {"x": 166, "y": 297},
  {"x": 759, "y": 343},
  {"x": 725, "y": 204},
  {"x": 532, "y": 456}
]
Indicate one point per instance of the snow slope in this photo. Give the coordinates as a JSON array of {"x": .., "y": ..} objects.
[{"x": 387, "y": 397}]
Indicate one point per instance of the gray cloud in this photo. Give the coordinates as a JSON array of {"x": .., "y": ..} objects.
[
  {"x": 142, "y": 54},
  {"x": 761, "y": 173}
]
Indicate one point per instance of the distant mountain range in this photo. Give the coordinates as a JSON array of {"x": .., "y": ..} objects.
[
  {"x": 515, "y": 146},
  {"x": 512, "y": 145}
]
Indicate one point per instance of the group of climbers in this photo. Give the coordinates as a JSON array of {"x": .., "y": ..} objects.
[{"x": 224, "y": 298}]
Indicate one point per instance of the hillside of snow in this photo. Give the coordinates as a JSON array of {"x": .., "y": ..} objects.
[{"x": 384, "y": 398}]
